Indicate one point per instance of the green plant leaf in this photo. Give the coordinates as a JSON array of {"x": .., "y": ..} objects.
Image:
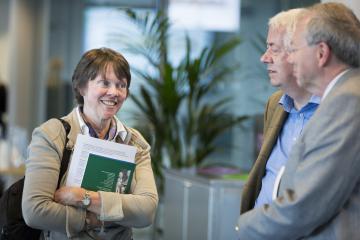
[{"x": 179, "y": 107}]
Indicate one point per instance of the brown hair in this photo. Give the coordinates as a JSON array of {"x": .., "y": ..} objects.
[{"x": 95, "y": 62}]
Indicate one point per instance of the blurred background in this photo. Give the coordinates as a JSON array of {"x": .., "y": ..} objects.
[{"x": 41, "y": 41}]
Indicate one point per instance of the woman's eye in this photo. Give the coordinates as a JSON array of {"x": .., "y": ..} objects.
[
  {"x": 104, "y": 83},
  {"x": 121, "y": 85}
]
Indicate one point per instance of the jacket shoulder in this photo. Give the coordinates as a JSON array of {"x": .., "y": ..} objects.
[
  {"x": 275, "y": 97},
  {"x": 53, "y": 129},
  {"x": 138, "y": 140}
]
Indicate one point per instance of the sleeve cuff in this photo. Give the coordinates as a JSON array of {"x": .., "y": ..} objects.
[
  {"x": 73, "y": 225},
  {"x": 111, "y": 207}
]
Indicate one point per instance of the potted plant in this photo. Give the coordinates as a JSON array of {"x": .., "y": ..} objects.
[{"x": 179, "y": 110}]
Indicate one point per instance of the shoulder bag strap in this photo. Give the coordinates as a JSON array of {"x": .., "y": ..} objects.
[{"x": 66, "y": 152}]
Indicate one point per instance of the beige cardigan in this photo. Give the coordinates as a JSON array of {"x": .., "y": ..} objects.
[{"x": 121, "y": 211}]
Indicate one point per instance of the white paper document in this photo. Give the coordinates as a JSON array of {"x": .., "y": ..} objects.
[{"x": 86, "y": 145}]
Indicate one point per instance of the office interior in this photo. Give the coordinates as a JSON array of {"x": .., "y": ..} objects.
[{"x": 41, "y": 42}]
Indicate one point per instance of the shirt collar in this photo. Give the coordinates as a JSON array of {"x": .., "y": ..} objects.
[
  {"x": 332, "y": 83},
  {"x": 288, "y": 102},
  {"x": 120, "y": 129}
]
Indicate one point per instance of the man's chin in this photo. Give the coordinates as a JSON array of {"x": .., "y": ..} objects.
[{"x": 275, "y": 83}]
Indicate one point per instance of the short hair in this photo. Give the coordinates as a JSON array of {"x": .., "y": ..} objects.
[
  {"x": 95, "y": 62},
  {"x": 336, "y": 25},
  {"x": 287, "y": 20}
]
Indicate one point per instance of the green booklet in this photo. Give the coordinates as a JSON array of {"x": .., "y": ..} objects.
[
  {"x": 107, "y": 174},
  {"x": 100, "y": 165}
]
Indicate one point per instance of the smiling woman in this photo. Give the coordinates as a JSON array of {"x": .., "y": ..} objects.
[
  {"x": 103, "y": 96},
  {"x": 101, "y": 82}
]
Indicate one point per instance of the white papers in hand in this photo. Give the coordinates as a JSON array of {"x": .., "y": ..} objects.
[{"x": 86, "y": 145}]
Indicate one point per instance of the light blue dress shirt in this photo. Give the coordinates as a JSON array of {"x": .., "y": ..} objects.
[{"x": 290, "y": 132}]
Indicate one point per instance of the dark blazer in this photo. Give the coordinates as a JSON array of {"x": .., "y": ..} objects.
[
  {"x": 319, "y": 193},
  {"x": 274, "y": 118}
]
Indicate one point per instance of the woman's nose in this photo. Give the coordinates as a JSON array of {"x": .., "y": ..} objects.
[{"x": 112, "y": 90}]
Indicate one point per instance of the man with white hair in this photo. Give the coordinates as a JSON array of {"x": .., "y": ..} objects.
[
  {"x": 319, "y": 193},
  {"x": 286, "y": 113}
]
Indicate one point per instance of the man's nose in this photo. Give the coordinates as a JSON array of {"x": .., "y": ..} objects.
[{"x": 266, "y": 57}]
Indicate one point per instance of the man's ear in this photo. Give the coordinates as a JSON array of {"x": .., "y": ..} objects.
[
  {"x": 323, "y": 54},
  {"x": 127, "y": 93}
]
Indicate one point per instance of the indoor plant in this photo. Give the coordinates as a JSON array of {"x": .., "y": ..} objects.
[{"x": 180, "y": 111}]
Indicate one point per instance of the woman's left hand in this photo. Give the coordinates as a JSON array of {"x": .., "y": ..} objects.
[{"x": 69, "y": 196}]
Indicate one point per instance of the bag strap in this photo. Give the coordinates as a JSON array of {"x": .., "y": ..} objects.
[{"x": 66, "y": 152}]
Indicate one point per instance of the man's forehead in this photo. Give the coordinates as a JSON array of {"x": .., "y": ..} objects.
[
  {"x": 275, "y": 35},
  {"x": 299, "y": 30}
]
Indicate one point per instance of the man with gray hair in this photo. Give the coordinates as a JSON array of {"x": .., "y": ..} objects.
[
  {"x": 319, "y": 194},
  {"x": 286, "y": 113}
]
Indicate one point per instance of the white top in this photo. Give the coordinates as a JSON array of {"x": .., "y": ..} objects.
[{"x": 120, "y": 129}]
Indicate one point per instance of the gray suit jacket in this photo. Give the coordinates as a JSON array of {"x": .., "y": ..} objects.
[
  {"x": 274, "y": 119},
  {"x": 319, "y": 195}
]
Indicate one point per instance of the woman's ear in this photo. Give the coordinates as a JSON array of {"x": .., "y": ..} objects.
[{"x": 81, "y": 91}]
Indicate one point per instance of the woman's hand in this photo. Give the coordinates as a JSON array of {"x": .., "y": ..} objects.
[
  {"x": 70, "y": 196},
  {"x": 73, "y": 196},
  {"x": 92, "y": 220}
]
